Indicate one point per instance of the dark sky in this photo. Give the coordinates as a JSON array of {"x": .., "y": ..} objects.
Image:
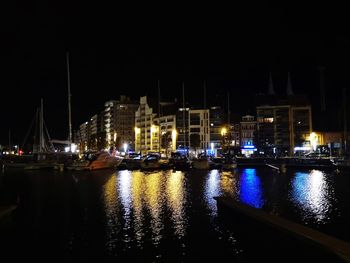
[{"x": 124, "y": 50}]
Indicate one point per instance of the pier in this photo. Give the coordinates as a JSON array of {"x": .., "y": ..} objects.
[{"x": 332, "y": 244}]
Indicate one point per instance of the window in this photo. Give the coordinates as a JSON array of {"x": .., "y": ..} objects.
[{"x": 268, "y": 120}]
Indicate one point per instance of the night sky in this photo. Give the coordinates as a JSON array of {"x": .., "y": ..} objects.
[{"x": 118, "y": 50}]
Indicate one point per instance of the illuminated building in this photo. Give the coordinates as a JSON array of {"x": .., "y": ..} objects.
[
  {"x": 167, "y": 127},
  {"x": 283, "y": 121},
  {"x": 248, "y": 127},
  {"x": 125, "y": 121},
  {"x": 199, "y": 124},
  {"x": 147, "y": 137},
  {"x": 218, "y": 120},
  {"x": 281, "y": 128},
  {"x": 119, "y": 122}
]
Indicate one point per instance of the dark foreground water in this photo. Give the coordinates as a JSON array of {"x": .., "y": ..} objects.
[{"x": 168, "y": 216}]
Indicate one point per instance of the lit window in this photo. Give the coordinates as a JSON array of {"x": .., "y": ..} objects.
[{"x": 268, "y": 120}]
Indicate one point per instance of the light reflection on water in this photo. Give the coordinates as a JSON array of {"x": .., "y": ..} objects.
[
  {"x": 143, "y": 209},
  {"x": 176, "y": 200},
  {"x": 212, "y": 188},
  {"x": 313, "y": 195},
  {"x": 153, "y": 196},
  {"x": 135, "y": 203},
  {"x": 110, "y": 197},
  {"x": 250, "y": 191}
]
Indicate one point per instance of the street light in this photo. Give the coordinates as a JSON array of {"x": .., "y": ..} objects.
[
  {"x": 223, "y": 131},
  {"x": 313, "y": 140},
  {"x": 125, "y": 147}
]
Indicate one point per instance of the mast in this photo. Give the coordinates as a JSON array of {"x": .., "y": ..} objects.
[
  {"x": 345, "y": 121},
  {"x": 183, "y": 114},
  {"x": 228, "y": 108},
  {"x": 204, "y": 95},
  {"x": 10, "y": 140},
  {"x": 41, "y": 127},
  {"x": 69, "y": 106},
  {"x": 205, "y": 107},
  {"x": 159, "y": 138}
]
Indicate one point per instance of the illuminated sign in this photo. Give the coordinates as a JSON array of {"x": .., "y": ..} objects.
[{"x": 248, "y": 147}]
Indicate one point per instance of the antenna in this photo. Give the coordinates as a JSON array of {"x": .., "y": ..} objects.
[
  {"x": 271, "y": 91},
  {"x": 289, "y": 86}
]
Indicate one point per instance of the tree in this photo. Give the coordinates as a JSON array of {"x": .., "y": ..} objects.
[{"x": 165, "y": 141}]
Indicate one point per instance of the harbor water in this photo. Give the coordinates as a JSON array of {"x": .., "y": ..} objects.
[{"x": 168, "y": 216}]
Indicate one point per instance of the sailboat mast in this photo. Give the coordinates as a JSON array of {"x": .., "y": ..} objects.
[
  {"x": 10, "y": 140},
  {"x": 159, "y": 138},
  {"x": 41, "y": 128},
  {"x": 205, "y": 107},
  {"x": 183, "y": 114},
  {"x": 69, "y": 105},
  {"x": 228, "y": 108},
  {"x": 345, "y": 121}
]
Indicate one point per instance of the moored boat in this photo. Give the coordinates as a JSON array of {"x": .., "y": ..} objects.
[
  {"x": 201, "y": 163},
  {"x": 94, "y": 161},
  {"x": 151, "y": 162}
]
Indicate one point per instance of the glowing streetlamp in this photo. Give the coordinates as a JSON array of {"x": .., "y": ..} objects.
[
  {"x": 313, "y": 140},
  {"x": 125, "y": 147},
  {"x": 223, "y": 131}
]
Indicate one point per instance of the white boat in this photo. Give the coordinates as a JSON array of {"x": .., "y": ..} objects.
[{"x": 94, "y": 161}]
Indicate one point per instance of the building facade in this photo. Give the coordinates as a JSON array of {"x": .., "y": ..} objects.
[
  {"x": 248, "y": 127},
  {"x": 168, "y": 133},
  {"x": 84, "y": 136},
  {"x": 124, "y": 123},
  {"x": 119, "y": 122},
  {"x": 219, "y": 130},
  {"x": 109, "y": 122},
  {"x": 199, "y": 125},
  {"x": 146, "y": 132},
  {"x": 281, "y": 128},
  {"x": 182, "y": 117}
]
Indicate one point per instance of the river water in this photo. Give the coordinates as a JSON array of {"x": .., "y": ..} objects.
[{"x": 168, "y": 216}]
